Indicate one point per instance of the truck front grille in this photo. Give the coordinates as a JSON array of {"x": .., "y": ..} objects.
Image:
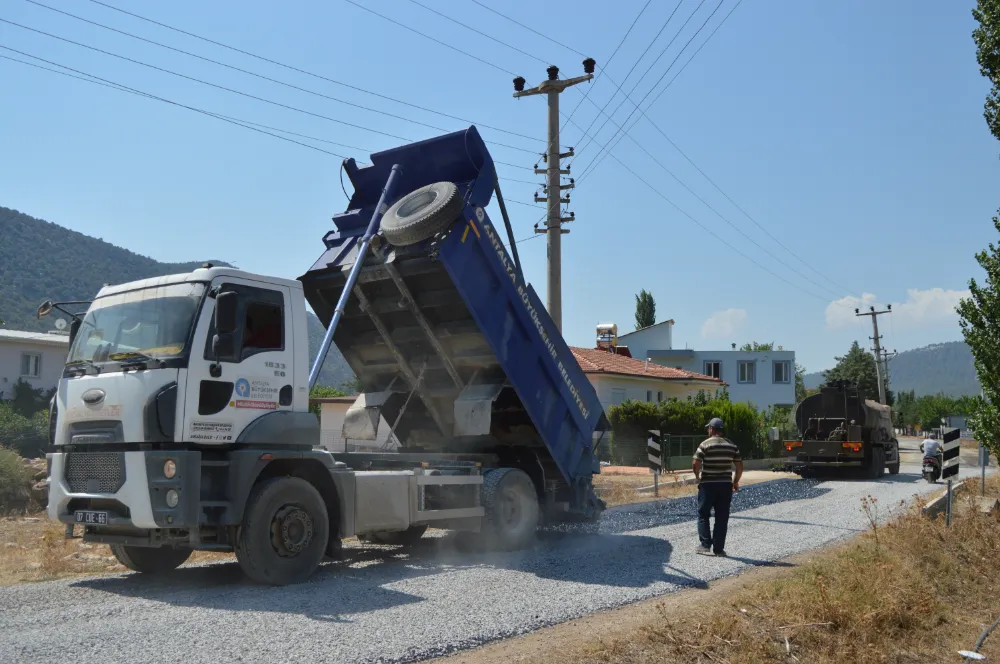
[{"x": 95, "y": 472}]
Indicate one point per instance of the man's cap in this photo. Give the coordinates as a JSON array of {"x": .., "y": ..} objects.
[{"x": 715, "y": 423}]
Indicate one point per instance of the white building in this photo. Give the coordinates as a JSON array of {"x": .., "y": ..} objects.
[
  {"x": 331, "y": 428},
  {"x": 618, "y": 378},
  {"x": 763, "y": 378},
  {"x": 36, "y": 357}
]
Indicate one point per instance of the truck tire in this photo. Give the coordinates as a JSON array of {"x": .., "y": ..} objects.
[
  {"x": 149, "y": 560},
  {"x": 397, "y": 537},
  {"x": 871, "y": 470},
  {"x": 512, "y": 511},
  {"x": 284, "y": 532},
  {"x": 422, "y": 214},
  {"x": 894, "y": 466}
]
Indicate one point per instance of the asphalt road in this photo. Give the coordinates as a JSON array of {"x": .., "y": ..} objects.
[{"x": 386, "y": 604}]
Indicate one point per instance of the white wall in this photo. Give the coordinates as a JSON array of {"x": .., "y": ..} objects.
[
  {"x": 331, "y": 427},
  {"x": 634, "y": 389},
  {"x": 764, "y": 392},
  {"x": 657, "y": 337},
  {"x": 53, "y": 360}
]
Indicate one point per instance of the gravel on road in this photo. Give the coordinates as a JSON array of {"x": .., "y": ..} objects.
[{"x": 388, "y": 604}]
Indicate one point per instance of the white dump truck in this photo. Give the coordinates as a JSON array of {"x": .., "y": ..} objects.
[{"x": 182, "y": 420}]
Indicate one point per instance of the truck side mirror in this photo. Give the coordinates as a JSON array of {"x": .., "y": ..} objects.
[
  {"x": 225, "y": 312},
  {"x": 74, "y": 329}
]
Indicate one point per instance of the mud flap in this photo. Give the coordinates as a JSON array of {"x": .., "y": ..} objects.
[
  {"x": 362, "y": 418},
  {"x": 474, "y": 409}
]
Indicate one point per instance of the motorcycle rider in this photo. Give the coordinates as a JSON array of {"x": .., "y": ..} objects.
[{"x": 932, "y": 448}]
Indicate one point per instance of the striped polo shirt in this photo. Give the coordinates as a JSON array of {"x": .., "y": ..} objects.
[{"x": 717, "y": 456}]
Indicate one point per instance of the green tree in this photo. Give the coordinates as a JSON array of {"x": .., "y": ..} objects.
[
  {"x": 645, "y": 310},
  {"x": 800, "y": 382},
  {"x": 27, "y": 400},
  {"x": 980, "y": 322},
  {"x": 857, "y": 366},
  {"x": 756, "y": 347},
  {"x": 987, "y": 38},
  {"x": 321, "y": 392}
]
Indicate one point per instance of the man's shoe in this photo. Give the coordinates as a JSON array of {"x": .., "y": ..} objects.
[
  {"x": 721, "y": 554},
  {"x": 704, "y": 550}
]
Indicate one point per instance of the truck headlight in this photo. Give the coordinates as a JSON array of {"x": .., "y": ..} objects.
[
  {"x": 173, "y": 498},
  {"x": 169, "y": 469}
]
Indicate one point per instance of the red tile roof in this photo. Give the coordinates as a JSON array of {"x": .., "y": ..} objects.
[{"x": 601, "y": 361}]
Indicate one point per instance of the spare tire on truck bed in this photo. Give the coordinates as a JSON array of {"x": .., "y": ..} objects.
[{"x": 422, "y": 213}]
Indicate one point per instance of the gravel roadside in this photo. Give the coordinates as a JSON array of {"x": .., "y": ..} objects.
[{"x": 392, "y": 605}]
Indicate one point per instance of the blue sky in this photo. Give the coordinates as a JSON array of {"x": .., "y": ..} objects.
[{"x": 851, "y": 131}]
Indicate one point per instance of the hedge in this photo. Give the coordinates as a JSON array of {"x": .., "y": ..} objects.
[{"x": 631, "y": 420}]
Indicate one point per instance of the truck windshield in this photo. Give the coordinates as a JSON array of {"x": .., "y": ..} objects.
[{"x": 151, "y": 323}]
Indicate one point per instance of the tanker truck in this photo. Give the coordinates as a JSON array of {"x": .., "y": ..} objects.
[
  {"x": 181, "y": 421},
  {"x": 842, "y": 433}
]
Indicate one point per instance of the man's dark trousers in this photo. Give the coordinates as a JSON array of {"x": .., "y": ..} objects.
[{"x": 717, "y": 495}]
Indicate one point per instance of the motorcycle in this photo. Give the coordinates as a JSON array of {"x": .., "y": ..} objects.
[{"x": 932, "y": 469}]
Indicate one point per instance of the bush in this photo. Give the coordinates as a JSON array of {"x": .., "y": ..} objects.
[
  {"x": 631, "y": 420},
  {"x": 29, "y": 436},
  {"x": 15, "y": 481}
]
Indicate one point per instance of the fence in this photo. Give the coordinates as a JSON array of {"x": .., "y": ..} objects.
[{"x": 678, "y": 450}]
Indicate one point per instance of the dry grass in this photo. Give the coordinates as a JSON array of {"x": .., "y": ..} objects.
[
  {"x": 621, "y": 489},
  {"x": 35, "y": 550},
  {"x": 909, "y": 591}
]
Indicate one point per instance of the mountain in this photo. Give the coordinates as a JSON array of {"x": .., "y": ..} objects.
[
  {"x": 40, "y": 260},
  {"x": 946, "y": 368}
]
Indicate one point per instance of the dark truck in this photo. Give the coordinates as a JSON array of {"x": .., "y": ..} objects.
[
  {"x": 182, "y": 419},
  {"x": 843, "y": 432}
]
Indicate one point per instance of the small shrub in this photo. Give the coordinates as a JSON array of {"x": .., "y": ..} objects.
[{"x": 15, "y": 481}]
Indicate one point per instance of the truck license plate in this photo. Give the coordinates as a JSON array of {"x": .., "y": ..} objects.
[{"x": 91, "y": 518}]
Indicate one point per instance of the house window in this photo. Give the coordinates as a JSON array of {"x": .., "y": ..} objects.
[
  {"x": 782, "y": 372},
  {"x": 31, "y": 365},
  {"x": 649, "y": 396},
  {"x": 659, "y": 397},
  {"x": 617, "y": 396},
  {"x": 748, "y": 371},
  {"x": 713, "y": 369}
]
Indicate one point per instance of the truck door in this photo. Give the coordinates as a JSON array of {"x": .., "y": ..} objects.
[{"x": 225, "y": 394}]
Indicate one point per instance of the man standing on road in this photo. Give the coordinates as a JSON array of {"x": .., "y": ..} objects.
[{"x": 713, "y": 469}]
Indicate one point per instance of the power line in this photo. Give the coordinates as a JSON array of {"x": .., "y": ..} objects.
[
  {"x": 198, "y": 80},
  {"x": 530, "y": 29},
  {"x": 478, "y": 32},
  {"x": 595, "y": 161},
  {"x": 261, "y": 76},
  {"x": 426, "y": 36},
  {"x": 123, "y": 88},
  {"x": 247, "y": 124},
  {"x": 586, "y": 95},
  {"x": 592, "y": 137},
  {"x": 703, "y": 173},
  {"x": 309, "y": 73},
  {"x": 712, "y": 233}
]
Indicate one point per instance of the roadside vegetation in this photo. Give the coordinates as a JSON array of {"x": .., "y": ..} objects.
[{"x": 911, "y": 590}]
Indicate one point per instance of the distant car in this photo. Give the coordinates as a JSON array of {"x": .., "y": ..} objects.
[{"x": 605, "y": 463}]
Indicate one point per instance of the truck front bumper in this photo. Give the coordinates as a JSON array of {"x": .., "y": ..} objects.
[{"x": 130, "y": 487}]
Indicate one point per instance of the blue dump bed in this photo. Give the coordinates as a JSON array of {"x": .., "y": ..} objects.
[{"x": 452, "y": 348}]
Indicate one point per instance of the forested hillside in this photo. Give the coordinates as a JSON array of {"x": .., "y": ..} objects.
[
  {"x": 939, "y": 368},
  {"x": 40, "y": 260}
]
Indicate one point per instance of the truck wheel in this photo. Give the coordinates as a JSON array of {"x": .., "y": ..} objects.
[
  {"x": 511, "y": 505},
  {"x": 894, "y": 466},
  {"x": 398, "y": 537},
  {"x": 871, "y": 470},
  {"x": 150, "y": 560},
  {"x": 422, "y": 214},
  {"x": 284, "y": 532}
]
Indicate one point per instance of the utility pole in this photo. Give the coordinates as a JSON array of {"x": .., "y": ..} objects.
[
  {"x": 886, "y": 356},
  {"x": 552, "y": 87},
  {"x": 878, "y": 348}
]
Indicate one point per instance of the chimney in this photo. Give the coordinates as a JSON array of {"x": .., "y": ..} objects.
[{"x": 646, "y": 368}]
